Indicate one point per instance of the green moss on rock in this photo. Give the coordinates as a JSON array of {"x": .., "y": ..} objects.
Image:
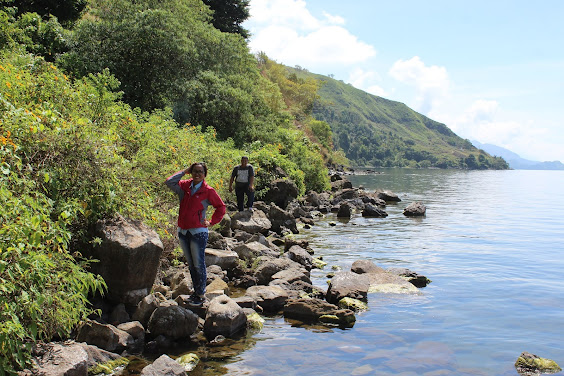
[
  {"x": 108, "y": 367},
  {"x": 527, "y": 363}
]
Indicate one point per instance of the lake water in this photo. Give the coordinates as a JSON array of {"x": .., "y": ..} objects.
[{"x": 492, "y": 242}]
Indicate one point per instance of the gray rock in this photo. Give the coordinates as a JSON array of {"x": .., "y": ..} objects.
[
  {"x": 345, "y": 210},
  {"x": 365, "y": 266},
  {"x": 388, "y": 196},
  {"x": 281, "y": 220},
  {"x": 223, "y": 258},
  {"x": 269, "y": 298},
  {"x": 340, "y": 184},
  {"x": 345, "y": 194},
  {"x": 164, "y": 366},
  {"x": 415, "y": 209},
  {"x": 252, "y": 250},
  {"x": 348, "y": 284},
  {"x": 414, "y": 278},
  {"x": 145, "y": 308},
  {"x": 300, "y": 255},
  {"x": 129, "y": 257},
  {"x": 119, "y": 315},
  {"x": 225, "y": 226},
  {"x": 173, "y": 322},
  {"x": 281, "y": 192},
  {"x": 269, "y": 266},
  {"x": 251, "y": 222},
  {"x": 224, "y": 317},
  {"x": 290, "y": 276},
  {"x": 134, "y": 328},
  {"x": 372, "y": 211},
  {"x": 314, "y": 309},
  {"x": 105, "y": 336},
  {"x": 183, "y": 287},
  {"x": 68, "y": 359}
]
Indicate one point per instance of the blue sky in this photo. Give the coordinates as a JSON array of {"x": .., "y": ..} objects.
[{"x": 492, "y": 71}]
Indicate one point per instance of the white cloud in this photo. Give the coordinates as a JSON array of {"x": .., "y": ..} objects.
[
  {"x": 362, "y": 79},
  {"x": 480, "y": 122},
  {"x": 335, "y": 20},
  {"x": 431, "y": 82},
  {"x": 288, "y": 33}
]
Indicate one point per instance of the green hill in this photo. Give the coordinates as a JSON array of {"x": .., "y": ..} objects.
[{"x": 377, "y": 132}]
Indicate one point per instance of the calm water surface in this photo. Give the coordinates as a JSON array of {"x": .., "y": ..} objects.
[{"x": 492, "y": 242}]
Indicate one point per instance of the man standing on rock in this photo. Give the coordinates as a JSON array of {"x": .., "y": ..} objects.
[
  {"x": 195, "y": 197},
  {"x": 244, "y": 177}
]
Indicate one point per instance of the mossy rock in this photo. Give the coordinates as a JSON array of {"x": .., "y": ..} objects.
[
  {"x": 318, "y": 263},
  {"x": 527, "y": 363},
  {"x": 108, "y": 368},
  {"x": 353, "y": 304},
  {"x": 254, "y": 321},
  {"x": 188, "y": 361}
]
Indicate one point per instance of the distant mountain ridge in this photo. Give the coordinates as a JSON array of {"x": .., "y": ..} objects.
[
  {"x": 376, "y": 132},
  {"x": 515, "y": 161}
]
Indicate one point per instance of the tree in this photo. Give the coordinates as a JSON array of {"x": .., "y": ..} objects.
[
  {"x": 66, "y": 11},
  {"x": 229, "y": 15}
]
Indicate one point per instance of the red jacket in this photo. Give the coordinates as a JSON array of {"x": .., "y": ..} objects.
[{"x": 192, "y": 208}]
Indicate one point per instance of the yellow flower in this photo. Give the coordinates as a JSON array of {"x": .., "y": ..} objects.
[{"x": 8, "y": 84}]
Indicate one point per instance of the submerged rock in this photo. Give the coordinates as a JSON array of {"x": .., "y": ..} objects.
[{"x": 530, "y": 364}]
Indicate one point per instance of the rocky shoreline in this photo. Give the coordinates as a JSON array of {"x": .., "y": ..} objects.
[{"x": 255, "y": 268}]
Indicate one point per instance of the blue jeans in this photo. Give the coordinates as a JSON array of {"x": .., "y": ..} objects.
[
  {"x": 194, "y": 248},
  {"x": 240, "y": 192}
]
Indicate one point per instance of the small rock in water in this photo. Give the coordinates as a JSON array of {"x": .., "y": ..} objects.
[{"x": 530, "y": 364}]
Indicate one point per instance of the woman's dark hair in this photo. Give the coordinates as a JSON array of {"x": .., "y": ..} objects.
[{"x": 203, "y": 164}]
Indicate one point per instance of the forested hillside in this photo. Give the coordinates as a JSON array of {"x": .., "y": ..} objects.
[
  {"x": 97, "y": 108},
  {"x": 376, "y": 132}
]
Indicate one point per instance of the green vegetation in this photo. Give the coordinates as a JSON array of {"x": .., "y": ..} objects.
[
  {"x": 74, "y": 150},
  {"x": 376, "y": 132}
]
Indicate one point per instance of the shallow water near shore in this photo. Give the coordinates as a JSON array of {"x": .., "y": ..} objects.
[{"x": 492, "y": 243}]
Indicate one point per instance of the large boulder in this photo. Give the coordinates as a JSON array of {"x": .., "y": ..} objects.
[
  {"x": 224, "y": 258},
  {"x": 129, "y": 256},
  {"x": 173, "y": 322},
  {"x": 314, "y": 309},
  {"x": 164, "y": 366},
  {"x": 348, "y": 284},
  {"x": 224, "y": 317},
  {"x": 251, "y": 222},
  {"x": 281, "y": 192},
  {"x": 281, "y": 219},
  {"x": 269, "y": 298},
  {"x": 105, "y": 336},
  {"x": 69, "y": 359}
]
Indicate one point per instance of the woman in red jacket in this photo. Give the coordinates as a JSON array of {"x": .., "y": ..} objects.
[{"x": 195, "y": 196}]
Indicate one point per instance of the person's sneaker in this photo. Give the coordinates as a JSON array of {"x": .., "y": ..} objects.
[
  {"x": 196, "y": 300},
  {"x": 250, "y": 209}
]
